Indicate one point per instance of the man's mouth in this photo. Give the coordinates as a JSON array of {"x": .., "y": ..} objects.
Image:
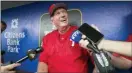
[{"x": 63, "y": 20}]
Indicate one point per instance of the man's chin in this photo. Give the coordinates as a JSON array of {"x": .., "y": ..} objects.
[{"x": 63, "y": 24}]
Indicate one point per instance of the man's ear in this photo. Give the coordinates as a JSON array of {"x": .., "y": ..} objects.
[{"x": 51, "y": 19}]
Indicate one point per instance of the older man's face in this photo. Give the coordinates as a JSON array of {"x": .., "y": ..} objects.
[{"x": 60, "y": 18}]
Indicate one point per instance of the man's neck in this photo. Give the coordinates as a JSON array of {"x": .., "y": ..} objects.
[{"x": 64, "y": 29}]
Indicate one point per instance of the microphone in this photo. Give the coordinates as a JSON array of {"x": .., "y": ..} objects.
[
  {"x": 31, "y": 54},
  {"x": 101, "y": 59},
  {"x": 92, "y": 35},
  {"x": 76, "y": 36}
]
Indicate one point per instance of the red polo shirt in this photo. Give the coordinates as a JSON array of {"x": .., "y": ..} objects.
[
  {"x": 129, "y": 39},
  {"x": 60, "y": 56}
]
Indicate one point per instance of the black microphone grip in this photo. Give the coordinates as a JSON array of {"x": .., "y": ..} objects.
[
  {"x": 22, "y": 59},
  {"x": 93, "y": 48}
]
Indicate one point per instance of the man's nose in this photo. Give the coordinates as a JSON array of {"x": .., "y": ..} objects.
[{"x": 62, "y": 15}]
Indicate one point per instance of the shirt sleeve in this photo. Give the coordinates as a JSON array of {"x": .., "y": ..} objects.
[
  {"x": 44, "y": 55},
  {"x": 116, "y": 54}
]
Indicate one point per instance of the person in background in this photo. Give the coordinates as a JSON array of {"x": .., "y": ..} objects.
[{"x": 9, "y": 67}]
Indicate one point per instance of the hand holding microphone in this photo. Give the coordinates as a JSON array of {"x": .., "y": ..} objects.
[
  {"x": 84, "y": 42},
  {"x": 93, "y": 37},
  {"x": 90, "y": 38},
  {"x": 31, "y": 54},
  {"x": 9, "y": 67}
]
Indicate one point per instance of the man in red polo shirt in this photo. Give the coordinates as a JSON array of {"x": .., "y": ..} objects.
[{"x": 59, "y": 55}]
